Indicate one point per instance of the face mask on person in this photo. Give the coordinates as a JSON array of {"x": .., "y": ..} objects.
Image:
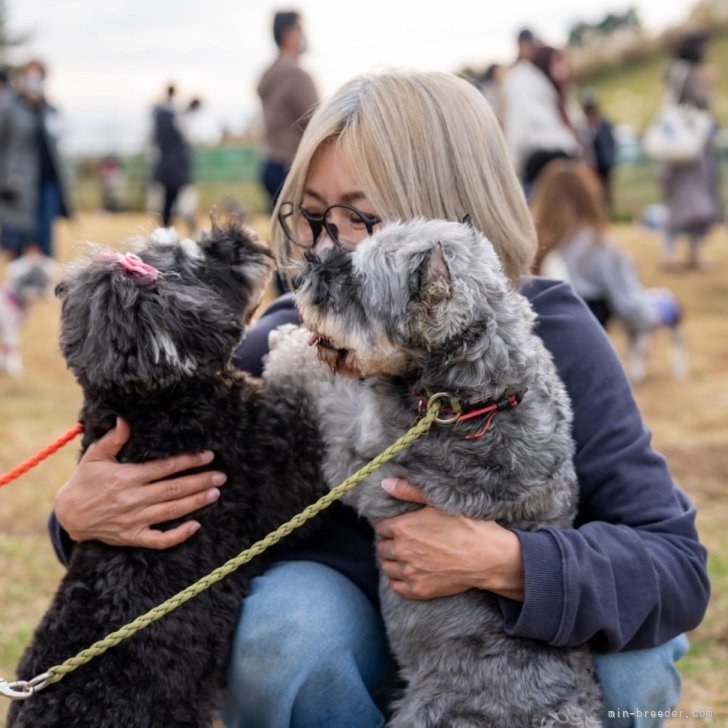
[{"x": 32, "y": 84}]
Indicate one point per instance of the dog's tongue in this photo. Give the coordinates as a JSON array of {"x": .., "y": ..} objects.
[{"x": 314, "y": 340}]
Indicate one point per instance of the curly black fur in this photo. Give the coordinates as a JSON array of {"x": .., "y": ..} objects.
[{"x": 156, "y": 352}]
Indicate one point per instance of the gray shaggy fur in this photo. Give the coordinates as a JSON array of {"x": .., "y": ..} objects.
[
  {"x": 156, "y": 352},
  {"x": 425, "y": 305}
]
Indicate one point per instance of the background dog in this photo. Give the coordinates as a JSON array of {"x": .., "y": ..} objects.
[
  {"x": 668, "y": 314},
  {"x": 425, "y": 307},
  {"x": 28, "y": 278},
  {"x": 149, "y": 338}
]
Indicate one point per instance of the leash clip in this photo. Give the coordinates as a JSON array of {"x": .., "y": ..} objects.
[
  {"x": 445, "y": 420},
  {"x": 23, "y": 689}
]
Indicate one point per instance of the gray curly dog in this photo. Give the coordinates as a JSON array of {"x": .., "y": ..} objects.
[{"x": 419, "y": 307}]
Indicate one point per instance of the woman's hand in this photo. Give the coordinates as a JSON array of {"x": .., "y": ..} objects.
[
  {"x": 428, "y": 553},
  {"x": 113, "y": 502}
]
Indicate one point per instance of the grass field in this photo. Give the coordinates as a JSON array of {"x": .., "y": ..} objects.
[{"x": 689, "y": 420}]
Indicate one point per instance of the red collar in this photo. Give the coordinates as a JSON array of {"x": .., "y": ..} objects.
[{"x": 453, "y": 411}]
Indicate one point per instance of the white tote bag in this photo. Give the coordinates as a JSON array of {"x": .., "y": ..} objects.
[{"x": 679, "y": 133}]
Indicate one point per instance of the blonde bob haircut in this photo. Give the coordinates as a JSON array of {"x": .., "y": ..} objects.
[{"x": 420, "y": 144}]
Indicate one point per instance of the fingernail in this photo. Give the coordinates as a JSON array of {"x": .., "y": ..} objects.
[
  {"x": 207, "y": 457},
  {"x": 194, "y": 527},
  {"x": 212, "y": 495},
  {"x": 218, "y": 478},
  {"x": 389, "y": 484}
]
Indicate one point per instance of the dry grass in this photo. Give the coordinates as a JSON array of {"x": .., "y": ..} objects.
[{"x": 689, "y": 421}]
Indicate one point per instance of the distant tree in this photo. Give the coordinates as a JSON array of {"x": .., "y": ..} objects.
[
  {"x": 582, "y": 32},
  {"x": 469, "y": 74},
  {"x": 577, "y": 34}
]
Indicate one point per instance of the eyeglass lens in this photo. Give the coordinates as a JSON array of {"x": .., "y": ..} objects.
[{"x": 345, "y": 225}]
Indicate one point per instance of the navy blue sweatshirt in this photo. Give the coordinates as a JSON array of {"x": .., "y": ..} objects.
[{"x": 631, "y": 573}]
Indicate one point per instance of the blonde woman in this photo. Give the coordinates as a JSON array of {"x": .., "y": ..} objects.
[{"x": 310, "y": 648}]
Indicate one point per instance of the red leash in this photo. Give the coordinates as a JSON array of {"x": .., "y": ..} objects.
[{"x": 41, "y": 455}]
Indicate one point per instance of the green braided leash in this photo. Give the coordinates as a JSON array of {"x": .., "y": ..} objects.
[{"x": 22, "y": 689}]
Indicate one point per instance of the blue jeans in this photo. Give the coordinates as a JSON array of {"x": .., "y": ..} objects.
[
  {"x": 272, "y": 176},
  {"x": 49, "y": 208},
  {"x": 310, "y": 652}
]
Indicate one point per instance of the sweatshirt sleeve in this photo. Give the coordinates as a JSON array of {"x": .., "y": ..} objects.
[
  {"x": 631, "y": 574},
  {"x": 247, "y": 357}
]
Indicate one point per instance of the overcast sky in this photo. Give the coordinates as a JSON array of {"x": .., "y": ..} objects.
[{"x": 110, "y": 59}]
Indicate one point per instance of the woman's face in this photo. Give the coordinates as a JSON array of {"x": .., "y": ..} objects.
[{"x": 330, "y": 182}]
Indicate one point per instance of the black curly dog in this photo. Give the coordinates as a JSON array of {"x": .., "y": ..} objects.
[{"x": 149, "y": 338}]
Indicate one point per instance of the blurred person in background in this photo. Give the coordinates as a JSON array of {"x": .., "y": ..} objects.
[
  {"x": 602, "y": 147},
  {"x": 537, "y": 125},
  {"x": 4, "y": 84},
  {"x": 691, "y": 190},
  {"x": 4, "y": 97},
  {"x": 172, "y": 166},
  {"x": 527, "y": 44},
  {"x": 574, "y": 245},
  {"x": 490, "y": 84},
  {"x": 288, "y": 96},
  {"x": 33, "y": 187}
]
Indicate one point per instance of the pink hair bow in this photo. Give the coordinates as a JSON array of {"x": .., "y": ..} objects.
[{"x": 133, "y": 265}]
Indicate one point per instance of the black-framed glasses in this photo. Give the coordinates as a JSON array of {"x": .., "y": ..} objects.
[{"x": 344, "y": 224}]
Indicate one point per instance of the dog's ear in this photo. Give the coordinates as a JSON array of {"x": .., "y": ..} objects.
[
  {"x": 231, "y": 247},
  {"x": 60, "y": 290},
  {"x": 237, "y": 246},
  {"x": 435, "y": 280}
]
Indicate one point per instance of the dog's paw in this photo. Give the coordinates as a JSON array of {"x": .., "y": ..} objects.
[
  {"x": 281, "y": 334},
  {"x": 291, "y": 359}
]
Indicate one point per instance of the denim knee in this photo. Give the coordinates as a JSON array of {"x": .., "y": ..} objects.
[
  {"x": 309, "y": 650},
  {"x": 637, "y": 684}
]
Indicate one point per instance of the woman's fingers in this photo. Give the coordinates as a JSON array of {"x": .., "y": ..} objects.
[
  {"x": 108, "y": 446},
  {"x": 151, "y": 538},
  {"x": 402, "y": 489},
  {"x": 169, "y": 510},
  {"x": 154, "y": 470},
  {"x": 120, "y": 503},
  {"x": 174, "y": 489},
  {"x": 170, "y": 502}
]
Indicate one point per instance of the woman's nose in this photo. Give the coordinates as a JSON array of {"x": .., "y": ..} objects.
[{"x": 323, "y": 242}]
